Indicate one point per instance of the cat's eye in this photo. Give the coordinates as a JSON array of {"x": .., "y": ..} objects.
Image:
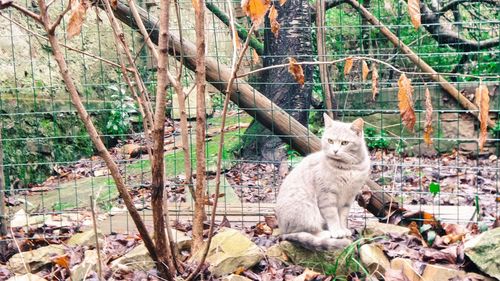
[
  {"x": 344, "y": 143},
  {"x": 330, "y": 141}
]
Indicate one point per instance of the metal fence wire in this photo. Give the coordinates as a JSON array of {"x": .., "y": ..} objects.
[{"x": 50, "y": 167}]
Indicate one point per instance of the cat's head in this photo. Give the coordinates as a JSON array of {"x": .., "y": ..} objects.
[{"x": 344, "y": 141}]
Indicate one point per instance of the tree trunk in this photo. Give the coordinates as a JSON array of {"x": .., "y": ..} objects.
[{"x": 293, "y": 40}]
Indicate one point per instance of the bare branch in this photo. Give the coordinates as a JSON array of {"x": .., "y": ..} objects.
[
  {"x": 452, "y": 4},
  {"x": 27, "y": 12},
  {"x": 57, "y": 21},
  {"x": 443, "y": 35}
]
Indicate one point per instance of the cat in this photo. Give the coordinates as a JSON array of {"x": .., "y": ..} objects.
[{"x": 315, "y": 198}]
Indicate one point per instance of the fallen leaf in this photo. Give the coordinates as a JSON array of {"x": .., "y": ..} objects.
[
  {"x": 395, "y": 275},
  {"x": 415, "y": 232},
  {"x": 255, "y": 57},
  {"x": 483, "y": 103},
  {"x": 76, "y": 19},
  {"x": 452, "y": 238},
  {"x": 405, "y": 98},
  {"x": 256, "y": 10},
  {"x": 414, "y": 11},
  {"x": 114, "y": 4},
  {"x": 62, "y": 261},
  {"x": 307, "y": 275},
  {"x": 374, "y": 81},
  {"x": 296, "y": 71},
  {"x": 428, "y": 118},
  {"x": 348, "y": 66},
  {"x": 273, "y": 19},
  {"x": 364, "y": 70},
  {"x": 263, "y": 228}
]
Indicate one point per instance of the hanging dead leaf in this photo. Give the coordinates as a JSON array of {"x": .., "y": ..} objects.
[
  {"x": 374, "y": 81},
  {"x": 256, "y": 9},
  {"x": 405, "y": 98},
  {"x": 76, "y": 19},
  {"x": 62, "y": 261},
  {"x": 255, "y": 57},
  {"x": 348, "y": 66},
  {"x": 414, "y": 11},
  {"x": 428, "y": 118},
  {"x": 282, "y": 2},
  {"x": 273, "y": 19},
  {"x": 364, "y": 70},
  {"x": 296, "y": 71},
  {"x": 483, "y": 103}
]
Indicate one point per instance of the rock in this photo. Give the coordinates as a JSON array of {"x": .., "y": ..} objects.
[
  {"x": 438, "y": 273},
  {"x": 182, "y": 240},
  {"x": 483, "y": 251},
  {"x": 22, "y": 219},
  {"x": 374, "y": 259},
  {"x": 374, "y": 228},
  {"x": 234, "y": 277},
  {"x": 34, "y": 259},
  {"x": 86, "y": 238},
  {"x": 89, "y": 264},
  {"x": 229, "y": 251},
  {"x": 478, "y": 277},
  {"x": 137, "y": 259},
  {"x": 276, "y": 252},
  {"x": 190, "y": 104},
  {"x": 406, "y": 266},
  {"x": 312, "y": 259},
  {"x": 26, "y": 277}
]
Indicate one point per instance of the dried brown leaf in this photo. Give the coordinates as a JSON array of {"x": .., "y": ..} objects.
[
  {"x": 395, "y": 275},
  {"x": 348, "y": 66},
  {"x": 483, "y": 103},
  {"x": 114, "y": 4},
  {"x": 62, "y": 260},
  {"x": 428, "y": 118},
  {"x": 364, "y": 70},
  {"x": 374, "y": 81},
  {"x": 307, "y": 275},
  {"x": 415, "y": 232},
  {"x": 405, "y": 98},
  {"x": 414, "y": 11},
  {"x": 255, "y": 57},
  {"x": 273, "y": 19},
  {"x": 76, "y": 19},
  {"x": 256, "y": 9},
  {"x": 296, "y": 71}
]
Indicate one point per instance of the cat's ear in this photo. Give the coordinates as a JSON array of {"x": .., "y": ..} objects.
[
  {"x": 328, "y": 120},
  {"x": 357, "y": 126}
]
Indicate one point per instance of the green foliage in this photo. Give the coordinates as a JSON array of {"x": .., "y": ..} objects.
[
  {"x": 376, "y": 139},
  {"x": 122, "y": 107}
]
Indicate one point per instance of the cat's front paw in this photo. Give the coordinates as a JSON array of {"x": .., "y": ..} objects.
[{"x": 341, "y": 233}]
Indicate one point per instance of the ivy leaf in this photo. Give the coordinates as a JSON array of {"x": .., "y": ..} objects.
[
  {"x": 483, "y": 103},
  {"x": 434, "y": 188},
  {"x": 296, "y": 71},
  {"x": 428, "y": 118},
  {"x": 405, "y": 98},
  {"x": 414, "y": 11},
  {"x": 256, "y": 9}
]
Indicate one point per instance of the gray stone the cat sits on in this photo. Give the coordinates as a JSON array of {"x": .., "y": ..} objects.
[{"x": 315, "y": 198}]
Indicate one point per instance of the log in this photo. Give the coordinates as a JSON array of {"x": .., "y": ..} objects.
[{"x": 247, "y": 98}]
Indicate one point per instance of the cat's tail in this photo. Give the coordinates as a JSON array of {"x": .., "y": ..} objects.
[{"x": 314, "y": 242}]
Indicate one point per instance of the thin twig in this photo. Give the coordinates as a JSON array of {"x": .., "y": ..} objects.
[
  {"x": 20, "y": 252},
  {"x": 356, "y": 58},
  {"x": 229, "y": 91},
  {"x": 59, "y": 18},
  {"x": 64, "y": 45},
  {"x": 27, "y": 12},
  {"x": 97, "y": 246}
]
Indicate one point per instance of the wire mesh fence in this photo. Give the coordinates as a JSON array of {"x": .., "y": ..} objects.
[{"x": 51, "y": 168}]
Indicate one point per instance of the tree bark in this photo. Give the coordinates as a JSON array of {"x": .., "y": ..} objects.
[
  {"x": 293, "y": 40},
  {"x": 199, "y": 211}
]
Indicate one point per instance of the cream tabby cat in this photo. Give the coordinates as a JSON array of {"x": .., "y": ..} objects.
[{"x": 315, "y": 198}]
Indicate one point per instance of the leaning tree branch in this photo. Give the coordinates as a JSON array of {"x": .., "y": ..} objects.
[
  {"x": 25, "y": 11},
  {"x": 446, "y": 36},
  {"x": 452, "y": 4},
  {"x": 59, "y": 18}
]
